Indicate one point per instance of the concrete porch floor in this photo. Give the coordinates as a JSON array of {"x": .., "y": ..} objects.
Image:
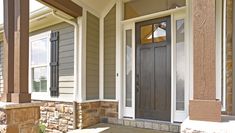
[{"x": 110, "y": 128}]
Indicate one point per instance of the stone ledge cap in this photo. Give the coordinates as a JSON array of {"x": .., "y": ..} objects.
[{"x": 8, "y": 105}]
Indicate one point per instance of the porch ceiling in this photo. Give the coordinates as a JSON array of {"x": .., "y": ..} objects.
[
  {"x": 67, "y": 6},
  {"x": 97, "y": 5}
]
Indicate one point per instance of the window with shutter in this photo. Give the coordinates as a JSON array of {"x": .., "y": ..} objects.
[
  {"x": 39, "y": 63},
  {"x": 54, "y": 65}
]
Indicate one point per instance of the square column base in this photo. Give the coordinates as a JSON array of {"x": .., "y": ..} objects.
[
  {"x": 205, "y": 110},
  {"x": 20, "y": 97},
  {"x": 19, "y": 118},
  {"x": 6, "y": 97}
]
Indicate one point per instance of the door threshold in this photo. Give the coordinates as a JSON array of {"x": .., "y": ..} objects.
[
  {"x": 147, "y": 124},
  {"x": 156, "y": 121}
]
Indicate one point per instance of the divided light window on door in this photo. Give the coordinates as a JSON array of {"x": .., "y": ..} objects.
[{"x": 153, "y": 33}]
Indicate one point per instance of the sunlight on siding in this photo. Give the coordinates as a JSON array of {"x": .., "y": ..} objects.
[{"x": 34, "y": 5}]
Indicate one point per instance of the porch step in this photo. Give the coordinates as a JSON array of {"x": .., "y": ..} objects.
[
  {"x": 148, "y": 124},
  {"x": 227, "y": 118}
]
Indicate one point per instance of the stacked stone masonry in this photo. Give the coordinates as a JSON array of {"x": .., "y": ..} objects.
[
  {"x": 57, "y": 116},
  {"x": 91, "y": 113},
  {"x": 2, "y": 121}
]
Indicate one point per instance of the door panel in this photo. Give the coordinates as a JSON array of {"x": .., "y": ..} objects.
[{"x": 153, "y": 71}]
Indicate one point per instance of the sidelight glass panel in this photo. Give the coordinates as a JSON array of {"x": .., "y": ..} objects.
[
  {"x": 146, "y": 34},
  {"x": 159, "y": 32},
  {"x": 180, "y": 65},
  {"x": 128, "y": 68},
  {"x": 137, "y": 8}
]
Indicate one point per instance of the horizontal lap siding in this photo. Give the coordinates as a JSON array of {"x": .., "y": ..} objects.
[
  {"x": 66, "y": 57},
  {"x": 92, "y": 57},
  {"x": 110, "y": 54}
]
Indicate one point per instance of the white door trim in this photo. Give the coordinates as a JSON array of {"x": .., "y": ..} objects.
[
  {"x": 129, "y": 112},
  {"x": 180, "y": 116},
  {"x": 130, "y": 24}
]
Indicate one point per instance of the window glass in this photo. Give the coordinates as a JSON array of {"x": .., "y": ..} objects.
[
  {"x": 39, "y": 64},
  {"x": 159, "y": 32},
  {"x": 39, "y": 52},
  {"x": 137, "y": 8},
  {"x": 39, "y": 79},
  {"x": 128, "y": 68},
  {"x": 146, "y": 34},
  {"x": 180, "y": 65}
]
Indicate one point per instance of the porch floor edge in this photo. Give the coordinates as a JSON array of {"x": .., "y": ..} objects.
[{"x": 147, "y": 124}]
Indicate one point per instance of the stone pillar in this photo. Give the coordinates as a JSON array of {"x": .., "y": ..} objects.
[
  {"x": 19, "y": 118},
  {"x": 21, "y": 52},
  {"x": 204, "y": 106},
  {"x": 8, "y": 50}
]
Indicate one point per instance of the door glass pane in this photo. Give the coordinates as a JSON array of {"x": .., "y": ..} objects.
[
  {"x": 39, "y": 79},
  {"x": 39, "y": 52},
  {"x": 180, "y": 65},
  {"x": 128, "y": 68},
  {"x": 146, "y": 34},
  {"x": 159, "y": 32}
]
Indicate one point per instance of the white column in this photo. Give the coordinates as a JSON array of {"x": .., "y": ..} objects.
[{"x": 82, "y": 58}]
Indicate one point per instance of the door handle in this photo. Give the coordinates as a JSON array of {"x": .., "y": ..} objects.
[{"x": 137, "y": 83}]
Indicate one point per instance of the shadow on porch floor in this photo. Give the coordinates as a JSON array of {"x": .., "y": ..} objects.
[{"x": 109, "y": 128}]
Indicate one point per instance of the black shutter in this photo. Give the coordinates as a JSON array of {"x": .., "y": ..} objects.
[{"x": 54, "y": 64}]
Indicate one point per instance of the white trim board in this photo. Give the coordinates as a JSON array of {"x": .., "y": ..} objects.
[
  {"x": 130, "y": 24},
  {"x": 82, "y": 57},
  {"x": 40, "y": 95}
]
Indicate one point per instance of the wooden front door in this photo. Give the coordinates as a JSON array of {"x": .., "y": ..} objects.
[{"x": 153, "y": 69}]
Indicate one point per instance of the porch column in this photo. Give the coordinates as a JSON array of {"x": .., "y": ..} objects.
[
  {"x": 8, "y": 50},
  {"x": 204, "y": 105},
  {"x": 21, "y": 52}
]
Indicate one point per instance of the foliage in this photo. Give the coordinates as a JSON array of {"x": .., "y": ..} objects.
[{"x": 42, "y": 128}]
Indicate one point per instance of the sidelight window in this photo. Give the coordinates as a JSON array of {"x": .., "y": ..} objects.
[
  {"x": 129, "y": 68},
  {"x": 180, "y": 65}
]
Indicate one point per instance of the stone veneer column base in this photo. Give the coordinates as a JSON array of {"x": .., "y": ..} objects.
[
  {"x": 19, "y": 118},
  {"x": 205, "y": 110}
]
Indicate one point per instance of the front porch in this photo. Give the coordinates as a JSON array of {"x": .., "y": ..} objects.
[
  {"x": 166, "y": 69},
  {"x": 110, "y": 128}
]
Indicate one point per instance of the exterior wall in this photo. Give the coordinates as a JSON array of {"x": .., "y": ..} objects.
[
  {"x": 229, "y": 60},
  {"x": 91, "y": 113},
  {"x": 110, "y": 54},
  {"x": 92, "y": 57},
  {"x": 57, "y": 116},
  {"x": 66, "y": 57},
  {"x": 108, "y": 110}
]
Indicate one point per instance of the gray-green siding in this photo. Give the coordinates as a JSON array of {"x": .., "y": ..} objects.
[
  {"x": 66, "y": 56},
  {"x": 92, "y": 57},
  {"x": 110, "y": 54}
]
